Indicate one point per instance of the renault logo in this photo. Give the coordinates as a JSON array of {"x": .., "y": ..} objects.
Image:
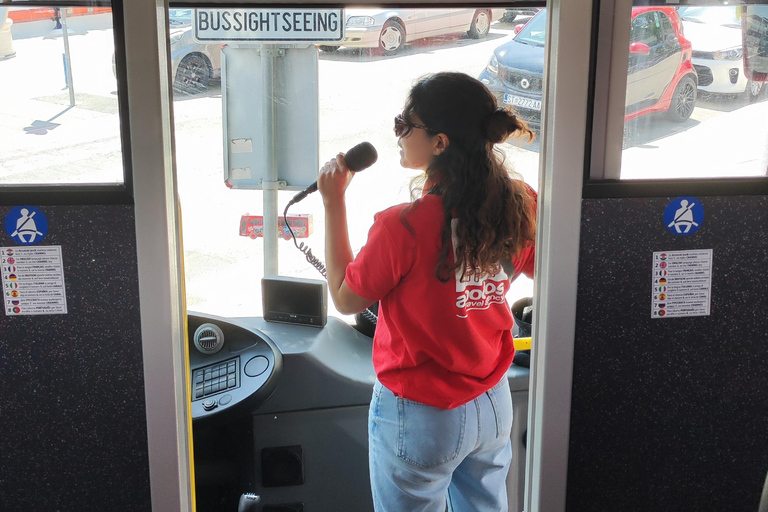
[{"x": 524, "y": 83}]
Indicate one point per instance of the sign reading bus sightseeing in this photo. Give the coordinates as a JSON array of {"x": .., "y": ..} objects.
[{"x": 269, "y": 25}]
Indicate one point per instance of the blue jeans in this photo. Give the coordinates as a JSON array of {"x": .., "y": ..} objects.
[{"x": 423, "y": 458}]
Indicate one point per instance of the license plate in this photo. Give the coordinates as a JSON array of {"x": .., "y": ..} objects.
[{"x": 518, "y": 101}]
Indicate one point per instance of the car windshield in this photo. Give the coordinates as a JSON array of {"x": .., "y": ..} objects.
[
  {"x": 726, "y": 16},
  {"x": 535, "y": 31}
]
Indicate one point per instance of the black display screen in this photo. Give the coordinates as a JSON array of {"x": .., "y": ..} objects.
[{"x": 290, "y": 299}]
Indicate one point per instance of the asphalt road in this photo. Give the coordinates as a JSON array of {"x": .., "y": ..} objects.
[{"x": 43, "y": 139}]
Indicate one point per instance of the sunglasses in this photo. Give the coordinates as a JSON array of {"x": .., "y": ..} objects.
[{"x": 404, "y": 127}]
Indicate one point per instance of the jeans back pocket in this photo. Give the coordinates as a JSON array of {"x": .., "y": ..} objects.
[{"x": 429, "y": 436}]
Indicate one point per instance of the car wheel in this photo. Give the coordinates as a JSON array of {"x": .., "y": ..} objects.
[
  {"x": 481, "y": 25},
  {"x": 328, "y": 49},
  {"x": 754, "y": 90},
  {"x": 683, "y": 100},
  {"x": 392, "y": 37},
  {"x": 193, "y": 74}
]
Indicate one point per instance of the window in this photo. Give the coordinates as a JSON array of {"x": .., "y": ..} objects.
[
  {"x": 59, "y": 120},
  {"x": 645, "y": 29},
  {"x": 691, "y": 112},
  {"x": 362, "y": 83}
]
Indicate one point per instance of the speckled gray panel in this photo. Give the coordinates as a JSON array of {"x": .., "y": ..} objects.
[
  {"x": 73, "y": 433},
  {"x": 670, "y": 414}
]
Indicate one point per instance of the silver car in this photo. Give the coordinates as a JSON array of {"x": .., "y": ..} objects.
[
  {"x": 391, "y": 29},
  {"x": 193, "y": 64}
]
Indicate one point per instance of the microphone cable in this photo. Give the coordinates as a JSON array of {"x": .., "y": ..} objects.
[
  {"x": 313, "y": 260},
  {"x": 305, "y": 249}
]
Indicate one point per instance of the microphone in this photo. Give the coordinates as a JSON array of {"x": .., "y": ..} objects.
[{"x": 358, "y": 159}]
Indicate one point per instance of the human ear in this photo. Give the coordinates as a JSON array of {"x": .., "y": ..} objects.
[{"x": 441, "y": 143}]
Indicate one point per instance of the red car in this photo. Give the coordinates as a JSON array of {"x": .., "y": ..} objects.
[{"x": 660, "y": 76}]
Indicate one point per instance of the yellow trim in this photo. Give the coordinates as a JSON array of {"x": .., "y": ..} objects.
[
  {"x": 186, "y": 364},
  {"x": 523, "y": 343}
]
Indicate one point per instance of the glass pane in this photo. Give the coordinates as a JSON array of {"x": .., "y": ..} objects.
[
  {"x": 360, "y": 88},
  {"x": 59, "y": 121},
  {"x": 690, "y": 110}
]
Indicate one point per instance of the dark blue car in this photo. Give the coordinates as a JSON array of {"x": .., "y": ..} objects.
[
  {"x": 515, "y": 71},
  {"x": 660, "y": 76}
]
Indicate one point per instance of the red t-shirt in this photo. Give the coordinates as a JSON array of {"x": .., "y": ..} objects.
[{"x": 442, "y": 344}]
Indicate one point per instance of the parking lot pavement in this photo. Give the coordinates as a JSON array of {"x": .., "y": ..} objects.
[
  {"x": 43, "y": 138},
  {"x": 726, "y": 144}
]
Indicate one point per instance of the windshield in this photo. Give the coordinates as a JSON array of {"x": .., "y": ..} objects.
[
  {"x": 535, "y": 31},
  {"x": 727, "y": 16}
]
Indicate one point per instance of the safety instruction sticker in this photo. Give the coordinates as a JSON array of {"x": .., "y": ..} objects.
[
  {"x": 33, "y": 280},
  {"x": 26, "y": 225},
  {"x": 684, "y": 216},
  {"x": 681, "y": 284}
]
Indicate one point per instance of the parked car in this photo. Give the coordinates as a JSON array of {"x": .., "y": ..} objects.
[
  {"x": 193, "y": 64},
  {"x": 511, "y": 15},
  {"x": 715, "y": 33},
  {"x": 660, "y": 75},
  {"x": 391, "y": 29}
]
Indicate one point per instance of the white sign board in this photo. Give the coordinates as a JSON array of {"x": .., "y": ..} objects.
[
  {"x": 33, "y": 280},
  {"x": 681, "y": 284},
  {"x": 247, "y": 139},
  {"x": 272, "y": 25}
]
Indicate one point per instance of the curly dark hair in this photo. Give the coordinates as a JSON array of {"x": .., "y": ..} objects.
[{"x": 494, "y": 210}]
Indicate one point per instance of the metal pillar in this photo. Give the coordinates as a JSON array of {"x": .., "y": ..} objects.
[
  {"x": 270, "y": 183},
  {"x": 67, "y": 60}
]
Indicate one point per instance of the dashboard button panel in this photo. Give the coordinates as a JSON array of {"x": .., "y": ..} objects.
[{"x": 216, "y": 378}]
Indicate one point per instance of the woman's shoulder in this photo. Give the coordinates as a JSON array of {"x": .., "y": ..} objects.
[
  {"x": 412, "y": 218},
  {"x": 426, "y": 206},
  {"x": 526, "y": 186}
]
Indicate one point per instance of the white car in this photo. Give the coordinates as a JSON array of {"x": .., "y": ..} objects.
[
  {"x": 391, "y": 29},
  {"x": 715, "y": 34}
]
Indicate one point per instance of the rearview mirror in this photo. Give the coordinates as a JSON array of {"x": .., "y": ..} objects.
[{"x": 754, "y": 33}]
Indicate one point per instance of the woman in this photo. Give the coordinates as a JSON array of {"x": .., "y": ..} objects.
[{"x": 441, "y": 410}]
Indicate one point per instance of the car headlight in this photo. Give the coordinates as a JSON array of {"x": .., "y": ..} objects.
[
  {"x": 175, "y": 38},
  {"x": 732, "y": 54},
  {"x": 493, "y": 65},
  {"x": 360, "y": 21}
]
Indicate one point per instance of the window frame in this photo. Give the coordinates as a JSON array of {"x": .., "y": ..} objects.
[
  {"x": 85, "y": 194},
  {"x": 602, "y": 167}
]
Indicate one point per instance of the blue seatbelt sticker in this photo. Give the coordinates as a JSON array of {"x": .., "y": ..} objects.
[
  {"x": 684, "y": 216},
  {"x": 26, "y": 225}
]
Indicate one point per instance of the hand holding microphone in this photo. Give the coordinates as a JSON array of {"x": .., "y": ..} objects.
[
  {"x": 356, "y": 159},
  {"x": 334, "y": 179},
  {"x": 334, "y": 173}
]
